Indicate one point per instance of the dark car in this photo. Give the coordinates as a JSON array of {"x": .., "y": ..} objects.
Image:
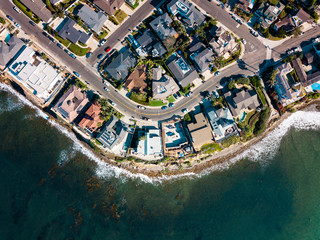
[
  {"x": 100, "y": 56},
  {"x": 59, "y": 45},
  {"x": 88, "y": 54},
  {"x": 45, "y": 34},
  {"x": 66, "y": 51},
  {"x": 77, "y": 74},
  {"x": 32, "y": 23},
  {"x": 164, "y": 107},
  {"x": 175, "y": 96},
  {"x": 10, "y": 18},
  {"x": 171, "y": 104},
  {"x": 178, "y": 93}
]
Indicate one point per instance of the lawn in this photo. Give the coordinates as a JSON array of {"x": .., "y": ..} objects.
[
  {"x": 102, "y": 35},
  {"x": 156, "y": 103},
  {"x": 65, "y": 42},
  {"x": 78, "y": 50},
  {"x": 171, "y": 99},
  {"x": 136, "y": 4},
  {"x": 211, "y": 148},
  {"x": 141, "y": 99},
  {"x": 26, "y": 11},
  {"x": 120, "y": 15},
  {"x": 261, "y": 96}
]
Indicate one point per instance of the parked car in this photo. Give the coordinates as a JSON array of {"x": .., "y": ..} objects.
[
  {"x": 17, "y": 25},
  {"x": 217, "y": 73},
  {"x": 254, "y": 33},
  {"x": 106, "y": 83},
  {"x": 72, "y": 55},
  {"x": 112, "y": 103},
  {"x": 141, "y": 107},
  {"x": 175, "y": 96},
  {"x": 59, "y": 45},
  {"x": 89, "y": 54},
  {"x": 146, "y": 119},
  {"x": 17, "y": 9},
  {"x": 296, "y": 49},
  {"x": 171, "y": 104},
  {"x": 103, "y": 41},
  {"x": 66, "y": 51},
  {"x": 289, "y": 52},
  {"x": 32, "y": 23},
  {"x": 178, "y": 93},
  {"x": 244, "y": 41},
  {"x": 10, "y": 18},
  {"x": 188, "y": 94},
  {"x": 316, "y": 40},
  {"x": 164, "y": 107},
  {"x": 100, "y": 56},
  {"x": 185, "y": 110},
  {"x": 107, "y": 89},
  {"x": 77, "y": 74},
  {"x": 107, "y": 49}
]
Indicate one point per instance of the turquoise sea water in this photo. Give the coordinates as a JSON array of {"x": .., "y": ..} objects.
[{"x": 50, "y": 190}]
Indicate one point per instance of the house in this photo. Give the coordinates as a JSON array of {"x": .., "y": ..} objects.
[
  {"x": 201, "y": 56},
  {"x": 300, "y": 18},
  {"x": 162, "y": 85},
  {"x": 286, "y": 23},
  {"x": 268, "y": 13},
  {"x": 190, "y": 15},
  {"x": 71, "y": 104},
  {"x": 137, "y": 80},
  {"x": 109, "y": 6},
  {"x": 182, "y": 71},
  {"x": 246, "y": 6},
  {"x": 163, "y": 28},
  {"x": 225, "y": 45},
  {"x": 310, "y": 57},
  {"x": 200, "y": 131},
  {"x": 150, "y": 44},
  {"x": 174, "y": 137},
  {"x": 38, "y": 7},
  {"x": 245, "y": 100},
  {"x": 114, "y": 135},
  {"x": 68, "y": 31},
  {"x": 297, "y": 65},
  {"x": 149, "y": 143},
  {"x": 118, "y": 69},
  {"x": 91, "y": 119},
  {"x": 287, "y": 89},
  {"x": 94, "y": 20},
  {"x": 35, "y": 74},
  {"x": 55, "y": 2},
  {"x": 222, "y": 123},
  {"x": 8, "y": 50}
]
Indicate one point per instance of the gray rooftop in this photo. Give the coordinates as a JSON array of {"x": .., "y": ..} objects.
[
  {"x": 164, "y": 87},
  {"x": 73, "y": 35},
  {"x": 162, "y": 27},
  {"x": 38, "y": 7},
  {"x": 201, "y": 56},
  {"x": 151, "y": 44},
  {"x": 9, "y": 50},
  {"x": 245, "y": 99},
  {"x": 113, "y": 133},
  {"x": 92, "y": 19},
  {"x": 118, "y": 68},
  {"x": 182, "y": 71}
]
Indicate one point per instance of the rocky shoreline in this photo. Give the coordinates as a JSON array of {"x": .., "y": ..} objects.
[{"x": 155, "y": 171}]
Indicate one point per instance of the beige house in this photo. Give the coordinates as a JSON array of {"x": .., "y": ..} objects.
[
  {"x": 71, "y": 104},
  {"x": 200, "y": 131}
]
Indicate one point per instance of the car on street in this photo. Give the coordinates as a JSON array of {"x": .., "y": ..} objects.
[
  {"x": 179, "y": 94},
  {"x": 254, "y": 33},
  {"x": 296, "y": 49},
  {"x": 289, "y": 52},
  {"x": 107, "y": 49},
  {"x": 316, "y": 40},
  {"x": 59, "y": 45},
  {"x": 77, "y": 74},
  {"x": 100, "y": 56},
  {"x": 17, "y": 25},
  {"x": 146, "y": 119},
  {"x": 106, "y": 83},
  {"x": 239, "y": 21},
  {"x": 164, "y": 107},
  {"x": 66, "y": 51},
  {"x": 141, "y": 107},
  {"x": 185, "y": 110},
  {"x": 244, "y": 41},
  {"x": 72, "y": 55},
  {"x": 217, "y": 73},
  {"x": 112, "y": 103},
  {"x": 89, "y": 54},
  {"x": 17, "y": 9},
  {"x": 32, "y": 23},
  {"x": 171, "y": 104},
  {"x": 175, "y": 96},
  {"x": 10, "y": 18},
  {"x": 107, "y": 89},
  {"x": 103, "y": 41},
  {"x": 188, "y": 94}
]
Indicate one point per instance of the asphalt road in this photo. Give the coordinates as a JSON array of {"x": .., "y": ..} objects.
[{"x": 252, "y": 60}]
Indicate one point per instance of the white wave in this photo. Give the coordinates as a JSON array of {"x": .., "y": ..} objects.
[
  {"x": 262, "y": 151},
  {"x": 65, "y": 156},
  {"x": 10, "y": 105}
]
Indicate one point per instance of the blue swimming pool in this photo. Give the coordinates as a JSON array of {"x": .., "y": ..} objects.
[
  {"x": 8, "y": 36},
  {"x": 315, "y": 87},
  {"x": 242, "y": 116}
]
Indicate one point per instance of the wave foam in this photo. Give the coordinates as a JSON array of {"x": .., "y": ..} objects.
[{"x": 262, "y": 151}]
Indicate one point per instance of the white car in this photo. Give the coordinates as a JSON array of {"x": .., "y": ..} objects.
[
  {"x": 141, "y": 107},
  {"x": 316, "y": 40},
  {"x": 244, "y": 41},
  {"x": 17, "y": 25},
  {"x": 185, "y": 110},
  {"x": 296, "y": 49},
  {"x": 107, "y": 89},
  {"x": 17, "y": 9},
  {"x": 106, "y": 83}
]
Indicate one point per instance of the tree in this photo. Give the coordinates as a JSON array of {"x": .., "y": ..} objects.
[
  {"x": 231, "y": 84},
  {"x": 243, "y": 81},
  {"x": 256, "y": 26},
  {"x": 281, "y": 33},
  {"x": 2, "y": 20},
  {"x": 297, "y": 32},
  {"x": 265, "y": 32},
  {"x": 314, "y": 16},
  {"x": 272, "y": 78},
  {"x": 282, "y": 14}
]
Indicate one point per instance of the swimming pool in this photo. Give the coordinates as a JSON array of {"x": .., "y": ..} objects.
[
  {"x": 8, "y": 36},
  {"x": 315, "y": 87},
  {"x": 242, "y": 116}
]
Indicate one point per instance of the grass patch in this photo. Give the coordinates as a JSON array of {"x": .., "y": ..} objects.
[
  {"x": 139, "y": 98},
  {"x": 65, "y": 42},
  {"x": 26, "y": 11},
  {"x": 261, "y": 96},
  {"x": 102, "y": 35},
  {"x": 156, "y": 103},
  {"x": 187, "y": 117},
  {"x": 120, "y": 15},
  {"x": 136, "y": 4},
  {"x": 211, "y": 148},
  {"x": 79, "y": 51},
  {"x": 171, "y": 99}
]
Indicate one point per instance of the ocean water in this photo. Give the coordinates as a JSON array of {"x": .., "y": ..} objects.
[{"x": 52, "y": 188}]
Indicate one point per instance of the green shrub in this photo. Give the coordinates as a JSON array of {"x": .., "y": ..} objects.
[
  {"x": 230, "y": 141},
  {"x": 187, "y": 117},
  {"x": 261, "y": 123},
  {"x": 2, "y": 20}
]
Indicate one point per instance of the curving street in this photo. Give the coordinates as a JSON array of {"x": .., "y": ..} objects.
[{"x": 253, "y": 59}]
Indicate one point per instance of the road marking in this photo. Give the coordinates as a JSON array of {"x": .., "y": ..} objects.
[{"x": 238, "y": 26}]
